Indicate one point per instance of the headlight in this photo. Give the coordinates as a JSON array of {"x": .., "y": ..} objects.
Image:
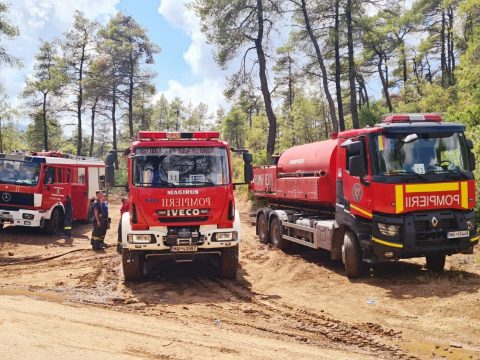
[
  {"x": 388, "y": 230},
  {"x": 225, "y": 236},
  {"x": 470, "y": 224},
  {"x": 28, "y": 216},
  {"x": 139, "y": 238}
]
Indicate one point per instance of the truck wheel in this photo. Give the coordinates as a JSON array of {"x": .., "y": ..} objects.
[
  {"x": 229, "y": 263},
  {"x": 132, "y": 263},
  {"x": 276, "y": 234},
  {"x": 351, "y": 256},
  {"x": 52, "y": 225},
  {"x": 262, "y": 228},
  {"x": 435, "y": 262}
]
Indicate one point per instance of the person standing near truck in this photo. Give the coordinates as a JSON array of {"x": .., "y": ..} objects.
[
  {"x": 67, "y": 220},
  {"x": 100, "y": 222}
]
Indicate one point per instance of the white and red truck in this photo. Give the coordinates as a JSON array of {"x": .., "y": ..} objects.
[
  {"x": 403, "y": 188},
  {"x": 181, "y": 201},
  {"x": 34, "y": 186}
]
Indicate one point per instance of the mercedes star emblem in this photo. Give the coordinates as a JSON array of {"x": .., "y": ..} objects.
[
  {"x": 6, "y": 197},
  {"x": 434, "y": 221}
]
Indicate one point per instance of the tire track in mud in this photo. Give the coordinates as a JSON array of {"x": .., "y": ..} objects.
[{"x": 281, "y": 319}]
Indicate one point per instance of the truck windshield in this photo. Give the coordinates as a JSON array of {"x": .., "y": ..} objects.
[
  {"x": 420, "y": 153},
  {"x": 19, "y": 172},
  {"x": 180, "y": 167}
]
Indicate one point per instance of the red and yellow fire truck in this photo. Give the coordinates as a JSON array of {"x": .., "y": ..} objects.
[
  {"x": 34, "y": 186},
  {"x": 181, "y": 201},
  {"x": 403, "y": 188}
]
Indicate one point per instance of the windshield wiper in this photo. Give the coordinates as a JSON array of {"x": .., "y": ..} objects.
[
  {"x": 413, "y": 173},
  {"x": 206, "y": 182}
]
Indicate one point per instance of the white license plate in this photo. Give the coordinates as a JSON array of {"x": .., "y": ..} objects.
[
  {"x": 6, "y": 216},
  {"x": 457, "y": 234},
  {"x": 183, "y": 248}
]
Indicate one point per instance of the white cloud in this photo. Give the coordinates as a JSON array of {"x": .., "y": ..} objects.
[
  {"x": 199, "y": 56},
  {"x": 44, "y": 20}
]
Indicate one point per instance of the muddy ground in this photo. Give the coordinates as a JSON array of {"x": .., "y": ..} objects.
[{"x": 295, "y": 305}]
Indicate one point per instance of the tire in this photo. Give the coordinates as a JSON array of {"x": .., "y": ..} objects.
[
  {"x": 229, "y": 263},
  {"x": 132, "y": 263},
  {"x": 436, "y": 262},
  {"x": 351, "y": 256},
  {"x": 52, "y": 225},
  {"x": 262, "y": 228},
  {"x": 276, "y": 234}
]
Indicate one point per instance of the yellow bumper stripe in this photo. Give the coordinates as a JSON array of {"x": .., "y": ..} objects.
[
  {"x": 360, "y": 210},
  {"x": 475, "y": 238},
  {"x": 439, "y": 187},
  {"x": 464, "y": 194},
  {"x": 387, "y": 243},
  {"x": 398, "y": 198}
]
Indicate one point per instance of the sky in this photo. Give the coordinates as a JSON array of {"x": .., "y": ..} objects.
[{"x": 185, "y": 66}]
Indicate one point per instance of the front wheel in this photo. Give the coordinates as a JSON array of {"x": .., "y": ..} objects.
[
  {"x": 132, "y": 263},
  {"x": 229, "y": 263},
  {"x": 351, "y": 256},
  {"x": 53, "y": 224},
  {"x": 436, "y": 262},
  {"x": 262, "y": 228}
]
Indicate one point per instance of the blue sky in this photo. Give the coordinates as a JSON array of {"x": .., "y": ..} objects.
[{"x": 185, "y": 66}]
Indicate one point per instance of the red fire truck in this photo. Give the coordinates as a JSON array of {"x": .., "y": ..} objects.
[
  {"x": 33, "y": 188},
  {"x": 181, "y": 201},
  {"x": 403, "y": 188}
]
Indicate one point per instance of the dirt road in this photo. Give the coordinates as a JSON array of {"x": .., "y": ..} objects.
[{"x": 281, "y": 306}]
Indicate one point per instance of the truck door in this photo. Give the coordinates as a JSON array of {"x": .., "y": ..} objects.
[
  {"x": 53, "y": 189},
  {"x": 80, "y": 199}
]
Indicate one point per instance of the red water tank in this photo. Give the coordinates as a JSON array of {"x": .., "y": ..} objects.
[{"x": 318, "y": 157}]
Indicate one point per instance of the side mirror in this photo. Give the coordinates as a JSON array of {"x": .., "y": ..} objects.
[
  {"x": 355, "y": 147},
  {"x": 471, "y": 161},
  {"x": 469, "y": 144},
  {"x": 248, "y": 172},
  {"x": 109, "y": 168},
  {"x": 356, "y": 165},
  {"x": 247, "y": 157}
]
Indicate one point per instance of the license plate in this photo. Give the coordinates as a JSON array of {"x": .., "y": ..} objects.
[
  {"x": 457, "y": 234},
  {"x": 6, "y": 216},
  {"x": 183, "y": 248}
]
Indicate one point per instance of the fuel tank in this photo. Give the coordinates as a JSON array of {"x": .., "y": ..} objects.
[{"x": 305, "y": 175}]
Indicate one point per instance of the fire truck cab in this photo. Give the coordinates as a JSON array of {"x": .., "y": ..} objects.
[
  {"x": 181, "y": 201},
  {"x": 34, "y": 186}
]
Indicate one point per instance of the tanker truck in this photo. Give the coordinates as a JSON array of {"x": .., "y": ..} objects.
[{"x": 401, "y": 189}]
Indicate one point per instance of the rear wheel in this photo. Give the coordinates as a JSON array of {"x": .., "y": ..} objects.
[
  {"x": 276, "y": 234},
  {"x": 262, "y": 228},
  {"x": 351, "y": 256},
  {"x": 436, "y": 262},
  {"x": 229, "y": 263},
  {"x": 132, "y": 263},
  {"x": 52, "y": 225}
]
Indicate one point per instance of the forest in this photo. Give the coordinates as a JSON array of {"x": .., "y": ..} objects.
[{"x": 298, "y": 71}]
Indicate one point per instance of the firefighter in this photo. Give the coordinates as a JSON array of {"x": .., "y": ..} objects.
[
  {"x": 67, "y": 221},
  {"x": 100, "y": 222}
]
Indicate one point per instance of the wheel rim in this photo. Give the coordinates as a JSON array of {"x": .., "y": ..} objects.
[
  {"x": 275, "y": 233},
  {"x": 262, "y": 233}
]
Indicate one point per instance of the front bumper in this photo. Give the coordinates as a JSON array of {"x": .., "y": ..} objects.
[
  {"x": 417, "y": 238},
  {"x": 16, "y": 217}
]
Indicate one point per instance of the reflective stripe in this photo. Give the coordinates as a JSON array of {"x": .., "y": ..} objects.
[
  {"x": 439, "y": 187},
  {"x": 398, "y": 198},
  {"x": 97, "y": 238},
  {"x": 68, "y": 228},
  {"x": 464, "y": 192},
  {"x": 360, "y": 210},
  {"x": 475, "y": 238},
  {"x": 387, "y": 243}
]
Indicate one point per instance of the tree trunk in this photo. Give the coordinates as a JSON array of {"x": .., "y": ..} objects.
[
  {"x": 338, "y": 69},
  {"x": 92, "y": 137},
  {"x": 1, "y": 136},
  {"x": 45, "y": 125},
  {"x": 451, "y": 53},
  {"x": 331, "y": 104},
  {"x": 361, "y": 83},
  {"x": 351, "y": 66},
  {"x": 130, "y": 97},
  {"x": 404, "y": 61},
  {"x": 384, "y": 82},
  {"x": 80, "y": 103},
  {"x": 443, "y": 58},
  {"x": 114, "y": 122},
  {"x": 262, "y": 72}
]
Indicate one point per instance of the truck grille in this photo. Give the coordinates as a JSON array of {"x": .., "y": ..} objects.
[
  {"x": 183, "y": 219},
  {"x": 427, "y": 235}
]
